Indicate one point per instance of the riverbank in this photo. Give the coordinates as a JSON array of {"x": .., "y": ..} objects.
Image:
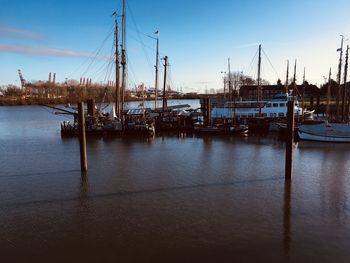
[{"x": 19, "y": 101}]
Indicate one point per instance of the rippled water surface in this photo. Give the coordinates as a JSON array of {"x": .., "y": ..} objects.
[{"x": 173, "y": 198}]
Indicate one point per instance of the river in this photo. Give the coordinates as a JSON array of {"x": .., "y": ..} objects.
[{"x": 173, "y": 198}]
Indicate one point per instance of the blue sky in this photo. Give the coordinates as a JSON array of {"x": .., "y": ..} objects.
[{"x": 42, "y": 36}]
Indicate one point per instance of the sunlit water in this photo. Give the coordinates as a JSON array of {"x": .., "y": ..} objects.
[{"x": 173, "y": 198}]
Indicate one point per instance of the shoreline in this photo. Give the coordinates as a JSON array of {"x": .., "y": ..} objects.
[{"x": 16, "y": 101}]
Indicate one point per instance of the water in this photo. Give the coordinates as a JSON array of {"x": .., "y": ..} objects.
[{"x": 176, "y": 198}]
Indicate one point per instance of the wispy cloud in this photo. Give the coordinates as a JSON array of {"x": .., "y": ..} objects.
[
  {"x": 9, "y": 31},
  {"x": 41, "y": 51}
]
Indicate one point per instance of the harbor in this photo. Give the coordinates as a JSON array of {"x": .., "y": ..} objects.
[
  {"x": 173, "y": 198},
  {"x": 174, "y": 131}
]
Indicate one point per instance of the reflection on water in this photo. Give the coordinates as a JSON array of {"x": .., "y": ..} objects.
[
  {"x": 286, "y": 216},
  {"x": 173, "y": 197}
]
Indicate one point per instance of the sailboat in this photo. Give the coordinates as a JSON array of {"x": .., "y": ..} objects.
[
  {"x": 114, "y": 124},
  {"x": 134, "y": 122},
  {"x": 326, "y": 131},
  {"x": 258, "y": 113}
]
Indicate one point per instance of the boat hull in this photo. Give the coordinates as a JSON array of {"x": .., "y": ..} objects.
[
  {"x": 325, "y": 132},
  {"x": 319, "y": 138}
]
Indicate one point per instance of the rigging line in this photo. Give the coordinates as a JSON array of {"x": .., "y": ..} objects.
[
  {"x": 99, "y": 50},
  {"x": 263, "y": 74},
  {"x": 88, "y": 58},
  {"x": 108, "y": 72},
  {"x": 249, "y": 70},
  {"x": 170, "y": 77},
  {"x": 110, "y": 61},
  {"x": 138, "y": 31},
  {"x": 100, "y": 70},
  {"x": 140, "y": 42},
  {"x": 108, "y": 69},
  {"x": 140, "y": 39},
  {"x": 132, "y": 69},
  {"x": 270, "y": 63}
]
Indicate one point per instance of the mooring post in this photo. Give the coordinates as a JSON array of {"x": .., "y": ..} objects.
[
  {"x": 290, "y": 140},
  {"x": 209, "y": 111},
  {"x": 82, "y": 137}
]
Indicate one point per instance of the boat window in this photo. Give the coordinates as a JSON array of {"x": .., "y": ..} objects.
[
  {"x": 250, "y": 115},
  {"x": 258, "y": 115},
  {"x": 282, "y": 104},
  {"x": 275, "y": 105},
  {"x": 264, "y": 115},
  {"x": 281, "y": 114},
  {"x": 243, "y": 116},
  {"x": 268, "y": 105}
]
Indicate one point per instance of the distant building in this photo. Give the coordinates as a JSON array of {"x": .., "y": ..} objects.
[{"x": 249, "y": 92}]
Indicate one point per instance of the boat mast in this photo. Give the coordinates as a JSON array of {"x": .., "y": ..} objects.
[
  {"x": 224, "y": 84},
  {"x": 156, "y": 80},
  {"x": 229, "y": 80},
  {"x": 345, "y": 79},
  {"x": 328, "y": 93},
  {"x": 117, "y": 74},
  {"x": 294, "y": 79},
  {"x": 259, "y": 68},
  {"x": 302, "y": 97},
  {"x": 339, "y": 76},
  {"x": 287, "y": 81},
  {"x": 165, "y": 71},
  {"x": 123, "y": 62},
  {"x": 259, "y": 84}
]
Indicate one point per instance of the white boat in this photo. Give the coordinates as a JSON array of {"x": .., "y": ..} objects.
[
  {"x": 275, "y": 108},
  {"x": 113, "y": 123},
  {"x": 238, "y": 129},
  {"x": 325, "y": 132}
]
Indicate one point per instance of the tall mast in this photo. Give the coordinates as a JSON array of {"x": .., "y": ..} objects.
[
  {"x": 345, "y": 79},
  {"x": 165, "y": 71},
  {"x": 328, "y": 92},
  {"x": 117, "y": 74},
  {"x": 295, "y": 78},
  {"x": 229, "y": 80},
  {"x": 224, "y": 85},
  {"x": 339, "y": 76},
  {"x": 287, "y": 76},
  {"x": 302, "y": 96},
  {"x": 259, "y": 68},
  {"x": 123, "y": 58},
  {"x": 156, "y": 81}
]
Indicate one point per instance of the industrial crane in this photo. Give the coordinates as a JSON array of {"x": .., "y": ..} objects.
[{"x": 23, "y": 81}]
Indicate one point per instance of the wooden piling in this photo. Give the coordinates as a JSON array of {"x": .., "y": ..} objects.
[
  {"x": 290, "y": 140},
  {"x": 82, "y": 137},
  {"x": 209, "y": 111}
]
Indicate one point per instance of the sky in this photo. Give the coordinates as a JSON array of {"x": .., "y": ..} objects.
[{"x": 74, "y": 39}]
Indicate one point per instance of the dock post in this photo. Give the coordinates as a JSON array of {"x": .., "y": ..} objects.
[
  {"x": 290, "y": 140},
  {"x": 82, "y": 137},
  {"x": 209, "y": 111}
]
